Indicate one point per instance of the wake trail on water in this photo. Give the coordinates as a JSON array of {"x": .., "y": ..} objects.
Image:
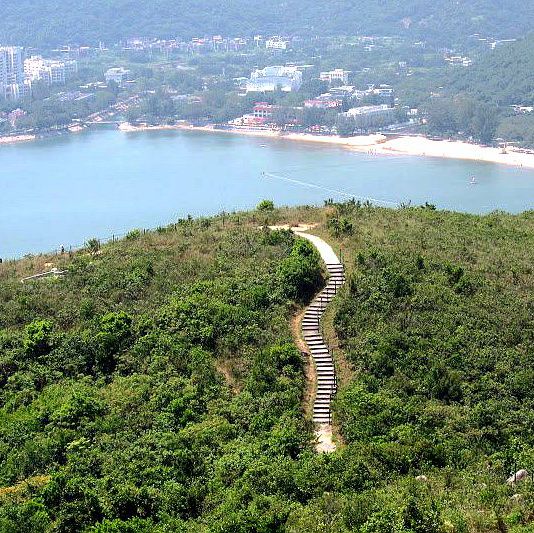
[{"x": 327, "y": 189}]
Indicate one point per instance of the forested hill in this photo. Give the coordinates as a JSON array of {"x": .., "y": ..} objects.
[
  {"x": 156, "y": 387},
  {"x": 46, "y": 22},
  {"x": 503, "y": 77}
]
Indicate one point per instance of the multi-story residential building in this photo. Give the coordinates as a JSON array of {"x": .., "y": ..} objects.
[
  {"x": 11, "y": 64},
  {"x": 118, "y": 75},
  {"x": 12, "y": 85},
  {"x": 337, "y": 75},
  {"x": 50, "y": 71},
  {"x": 276, "y": 78}
]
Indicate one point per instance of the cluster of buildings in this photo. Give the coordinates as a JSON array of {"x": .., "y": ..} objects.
[
  {"x": 17, "y": 72},
  {"x": 458, "y": 61},
  {"x": 214, "y": 43},
  {"x": 336, "y": 96},
  {"x": 12, "y": 118}
]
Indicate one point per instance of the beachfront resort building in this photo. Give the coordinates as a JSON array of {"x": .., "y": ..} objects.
[
  {"x": 382, "y": 110},
  {"x": 371, "y": 117},
  {"x": 262, "y": 113},
  {"x": 118, "y": 75},
  {"x": 50, "y": 71},
  {"x": 337, "y": 75},
  {"x": 276, "y": 78}
]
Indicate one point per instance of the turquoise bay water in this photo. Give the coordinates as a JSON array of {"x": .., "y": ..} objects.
[{"x": 64, "y": 191}]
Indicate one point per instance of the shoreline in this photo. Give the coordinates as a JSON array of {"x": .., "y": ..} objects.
[{"x": 377, "y": 144}]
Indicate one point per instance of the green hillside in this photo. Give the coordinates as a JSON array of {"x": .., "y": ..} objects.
[
  {"x": 480, "y": 98},
  {"x": 503, "y": 77},
  {"x": 47, "y": 22},
  {"x": 156, "y": 387}
]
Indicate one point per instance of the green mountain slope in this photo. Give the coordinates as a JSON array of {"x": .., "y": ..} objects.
[
  {"x": 156, "y": 388},
  {"x": 504, "y": 76},
  {"x": 54, "y": 21}
]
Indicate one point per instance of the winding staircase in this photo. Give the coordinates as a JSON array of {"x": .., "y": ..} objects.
[{"x": 311, "y": 331}]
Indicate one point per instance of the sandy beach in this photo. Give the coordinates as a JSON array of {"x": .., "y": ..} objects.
[
  {"x": 377, "y": 144},
  {"x": 421, "y": 146},
  {"x": 11, "y": 139}
]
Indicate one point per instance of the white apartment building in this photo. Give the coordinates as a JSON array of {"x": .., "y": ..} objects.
[
  {"x": 12, "y": 83},
  {"x": 336, "y": 75},
  {"x": 50, "y": 71}
]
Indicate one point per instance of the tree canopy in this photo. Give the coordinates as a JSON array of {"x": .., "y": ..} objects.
[{"x": 33, "y": 22}]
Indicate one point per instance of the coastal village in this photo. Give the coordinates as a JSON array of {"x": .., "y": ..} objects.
[{"x": 271, "y": 85}]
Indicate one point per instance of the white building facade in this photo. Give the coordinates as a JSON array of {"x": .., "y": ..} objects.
[
  {"x": 277, "y": 78},
  {"x": 49, "y": 71},
  {"x": 276, "y": 43},
  {"x": 337, "y": 75}
]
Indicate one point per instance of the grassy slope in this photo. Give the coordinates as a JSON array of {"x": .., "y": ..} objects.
[{"x": 436, "y": 320}]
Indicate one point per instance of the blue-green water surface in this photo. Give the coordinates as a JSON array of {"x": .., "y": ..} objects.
[{"x": 63, "y": 191}]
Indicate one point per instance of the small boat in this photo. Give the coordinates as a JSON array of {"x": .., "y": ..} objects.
[{"x": 473, "y": 180}]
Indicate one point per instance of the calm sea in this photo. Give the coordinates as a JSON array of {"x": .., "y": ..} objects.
[{"x": 63, "y": 191}]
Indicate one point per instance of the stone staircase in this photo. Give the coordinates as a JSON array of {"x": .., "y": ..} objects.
[{"x": 321, "y": 354}]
